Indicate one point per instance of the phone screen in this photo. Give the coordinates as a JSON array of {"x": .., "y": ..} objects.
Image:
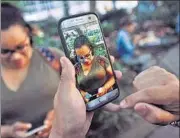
[{"x": 86, "y": 49}]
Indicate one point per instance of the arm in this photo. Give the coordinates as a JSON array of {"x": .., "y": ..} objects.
[
  {"x": 86, "y": 96},
  {"x": 125, "y": 41},
  {"x": 128, "y": 44},
  {"x": 110, "y": 82},
  {"x": 83, "y": 93},
  {"x": 136, "y": 39}
]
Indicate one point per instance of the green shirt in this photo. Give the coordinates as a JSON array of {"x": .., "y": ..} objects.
[
  {"x": 35, "y": 96},
  {"x": 96, "y": 77}
]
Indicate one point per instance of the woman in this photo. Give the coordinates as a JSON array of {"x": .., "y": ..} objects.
[
  {"x": 27, "y": 90},
  {"x": 125, "y": 45},
  {"x": 94, "y": 73}
]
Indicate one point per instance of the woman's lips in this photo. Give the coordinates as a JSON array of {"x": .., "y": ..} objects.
[
  {"x": 87, "y": 63},
  {"x": 18, "y": 62}
]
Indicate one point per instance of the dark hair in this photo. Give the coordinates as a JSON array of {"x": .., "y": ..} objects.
[
  {"x": 82, "y": 40},
  {"x": 125, "y": 21},
  {"x": 11, "y": 15}
]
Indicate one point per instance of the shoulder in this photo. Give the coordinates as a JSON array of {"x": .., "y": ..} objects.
[
  {"x": 52, "y": 56},
  {"x": 50, "y": 52},
  {"x": 56, "y": 51},
  {"x": 122, "y": 35}
]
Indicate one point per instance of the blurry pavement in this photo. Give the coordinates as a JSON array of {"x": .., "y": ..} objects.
[{"x": 171, "y": 60}]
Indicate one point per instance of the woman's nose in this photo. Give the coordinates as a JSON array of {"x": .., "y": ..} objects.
[
  {"x": 16, "y": 56},
  {"x": 85, "y": 60}
]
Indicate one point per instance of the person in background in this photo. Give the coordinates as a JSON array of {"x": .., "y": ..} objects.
[
  {"x": 155, "y": 86},
  {"x": 29, "y": 77},
  {"x": 126, "y": 46},
  {"x": 94, "y": 73}
]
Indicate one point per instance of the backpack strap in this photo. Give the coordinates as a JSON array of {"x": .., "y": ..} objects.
[{"x": 51, "y": 58}]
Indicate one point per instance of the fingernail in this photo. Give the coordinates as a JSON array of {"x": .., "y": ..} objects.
[{"x": 123, "y": 104}]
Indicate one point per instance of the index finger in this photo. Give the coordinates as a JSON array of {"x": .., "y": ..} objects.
[
  {"x": 110, "y": 107},
  {"x": 155, "y": 95}
]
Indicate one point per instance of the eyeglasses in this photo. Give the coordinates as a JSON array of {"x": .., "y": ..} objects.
[
  {"x": 18, "y": 48},
  {"x": 87, "y": 56}
]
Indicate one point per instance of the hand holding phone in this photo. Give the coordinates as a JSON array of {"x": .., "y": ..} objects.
[{"x": 74, "y": 119}]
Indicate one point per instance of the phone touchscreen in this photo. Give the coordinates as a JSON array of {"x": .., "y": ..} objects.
[{"x": 86, "y": 49}]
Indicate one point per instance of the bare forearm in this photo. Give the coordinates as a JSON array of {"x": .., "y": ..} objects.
[{"x": 109, "y": 83}]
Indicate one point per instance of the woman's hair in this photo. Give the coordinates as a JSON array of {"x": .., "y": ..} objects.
[
  {"x": 82, "y": 40},
  {"x": 11, "y": 15},
  {"x": 125, "y": 21}
]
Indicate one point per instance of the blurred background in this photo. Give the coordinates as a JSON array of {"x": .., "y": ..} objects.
[{"x": 157, "y": 21}]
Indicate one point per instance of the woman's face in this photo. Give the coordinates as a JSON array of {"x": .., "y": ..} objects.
[
  {"x": 131, "y": 28},
  {"x": 16, "y": 50},
  {"x": 84, "y": 54}
]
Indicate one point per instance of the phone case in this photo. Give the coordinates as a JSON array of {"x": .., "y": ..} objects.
[{"x": 66, "y": 51}]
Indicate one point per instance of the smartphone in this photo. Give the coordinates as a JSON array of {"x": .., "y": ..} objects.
[
  {"x": 84, "y": 45},
  {"x": 34, "y": 131}
]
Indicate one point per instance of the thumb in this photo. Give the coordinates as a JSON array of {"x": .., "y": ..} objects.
[
  {"x": 154, "y": 114},
  {"x": 68, "y": 71},
  {"x": 111, "y": 107}
]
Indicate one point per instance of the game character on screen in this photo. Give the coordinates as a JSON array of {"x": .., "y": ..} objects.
[{"x": 94, "y": 73}]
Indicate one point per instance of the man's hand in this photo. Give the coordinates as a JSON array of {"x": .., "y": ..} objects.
[
  {"x": 155, "y": 88},
  {"x": 48, "y": 123},
  {"x": 136, "y": 39},
  {"x": 71, "y": 119}
]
